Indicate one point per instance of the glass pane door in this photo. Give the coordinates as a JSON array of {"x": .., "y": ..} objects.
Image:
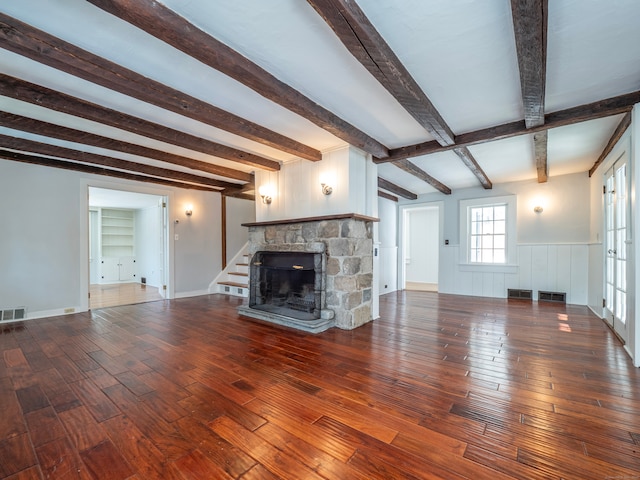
[{"x": 616, "y": 247}]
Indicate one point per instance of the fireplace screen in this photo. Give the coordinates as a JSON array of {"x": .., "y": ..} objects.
[{"x": 287, "y": 283}]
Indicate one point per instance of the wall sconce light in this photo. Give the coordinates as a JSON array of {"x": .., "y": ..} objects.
[
  {"x": 537, "y": 209},
  {"x": 265, "y": 194},
  {"x": 326, "y": 188},
  {"x": 189, "y": 211}
]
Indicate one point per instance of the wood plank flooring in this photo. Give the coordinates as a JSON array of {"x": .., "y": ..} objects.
[
  {"x": 114, "y": 294},
  {"x": 443, "y": 387}
]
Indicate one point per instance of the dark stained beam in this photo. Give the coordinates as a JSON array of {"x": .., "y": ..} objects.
[
  {"x": 243, "y": 196},
  {"x": 540, "y": 154},
  {"x": 592, "y": 111},
  {"x": 37, "y": 45},
  {"x": 414, "y": 170},
  {"x": 388, "y": 196},
  {"x": 39, "y": 148},
  {"x": 470, "y": 162},
  {"x": 364, "y": 42},
  {"x": 393, "y": 188},
  {"x": 164, "y": 24},
  {"x": 79, "y": 167},
  {"x": 25, "y": 124},
  {"x": 61, "y": 102},
  {"x": 530, "y": 29},
  {"x": 617, "y": 134}
]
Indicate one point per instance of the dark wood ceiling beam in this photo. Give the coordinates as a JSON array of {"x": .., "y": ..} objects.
[
  {"x": 243, "y": 196},
  {"x": 592, "y": 111},
  {"x": 530, "y": 29},
  {"x": 393, "y": 188},
  {"x": 540, "y": 153},
  {"x": 61, "y": 102},
  {"x": 25, "y": 124},
  {"x": 37, "y": 45},
  {"x": 78, "y": 167},
  {"x": 388, "y": 196},
  {"x": 617, "y": 135},
  {"x": 164, "y": 24},
  {"x": 364, "y": 42},
  {"x": 39, "y": 148},
  {"x": 472, "y": 164},
  {"x": 414, "y": 170}
]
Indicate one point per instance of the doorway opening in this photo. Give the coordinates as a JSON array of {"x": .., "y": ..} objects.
[
  {"x": 128, "y": 240},
  {"x": 421, "y": 230}
]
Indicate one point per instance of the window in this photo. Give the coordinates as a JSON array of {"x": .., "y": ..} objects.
[{"x": 488, "y": 231}]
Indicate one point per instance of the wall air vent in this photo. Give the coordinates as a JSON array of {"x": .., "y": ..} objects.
[
  {"x": 558, "y": 297},
  {"x": 12, "y": 314},
  {"x": 519, "y": 294}
]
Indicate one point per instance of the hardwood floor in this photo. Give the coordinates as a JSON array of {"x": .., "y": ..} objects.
[
  {"x": 439, "y": 387},
  {"x": 114, "y": 294}
]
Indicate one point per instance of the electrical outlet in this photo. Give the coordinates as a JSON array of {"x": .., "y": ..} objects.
[{"x": 69, "y": 310}]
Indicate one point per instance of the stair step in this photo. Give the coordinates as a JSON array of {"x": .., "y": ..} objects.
[
  {"x": 242, "y": 264},
  {"x": 234, "y": 284},
  {"x": 240, "y": 274}
]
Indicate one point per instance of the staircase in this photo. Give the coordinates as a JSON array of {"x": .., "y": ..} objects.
[{"x": 234, "y": 280}]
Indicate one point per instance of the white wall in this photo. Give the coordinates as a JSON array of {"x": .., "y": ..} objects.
[
  {"x": 148, "y": 245},
  {"x": 296, "y": 188},
  {"x": 198, "y": 254},
  {"x": 239, "y": 211},
  {"x": 41, "y": 238},
  {"x": 553, "y": 251},
  {"x": 388, "y": 253},
  {"x": 44, "y": 246}
]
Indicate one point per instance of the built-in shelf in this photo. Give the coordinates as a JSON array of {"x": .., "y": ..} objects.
[{"x": 117, "y": 232}]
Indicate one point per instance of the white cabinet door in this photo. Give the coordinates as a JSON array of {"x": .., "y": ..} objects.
[
  {"x": 110, "y": 269},
  {"x": 117, "y": 269},
  {"x": 127, "y": 268}
]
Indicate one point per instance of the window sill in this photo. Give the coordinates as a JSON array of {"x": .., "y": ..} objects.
[{"x": 488, "y": 267}]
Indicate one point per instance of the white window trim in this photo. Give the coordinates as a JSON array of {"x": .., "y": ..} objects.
[{"x": 512, "y": 255}]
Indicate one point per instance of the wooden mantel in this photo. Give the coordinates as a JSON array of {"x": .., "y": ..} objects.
[{"x": 321, "y": 218}]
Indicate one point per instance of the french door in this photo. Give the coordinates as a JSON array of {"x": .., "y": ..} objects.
[{"x": 616, "y": 197}]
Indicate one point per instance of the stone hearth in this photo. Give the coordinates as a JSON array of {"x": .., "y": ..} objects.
[{"x": 346, "y": 245}]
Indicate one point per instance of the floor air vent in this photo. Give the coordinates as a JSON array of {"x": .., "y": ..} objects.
[
  {"x": 559, "y": 297},
  {"x": 10, "y": 314},
  {"x": 520, "y": 294}
]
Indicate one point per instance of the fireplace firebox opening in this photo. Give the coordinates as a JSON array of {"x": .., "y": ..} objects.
[{"x": 287, "y": 283}]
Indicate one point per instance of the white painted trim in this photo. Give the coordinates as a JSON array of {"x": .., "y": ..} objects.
[
  {"x": 512, "y": 218},
  {"x": 135, "y": 187},
  {"x": 402, "y": 212},
  {"x": 488, "y": 267}
]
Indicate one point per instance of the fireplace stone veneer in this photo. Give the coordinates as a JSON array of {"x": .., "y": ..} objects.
[{"x": 346, "y": 269}]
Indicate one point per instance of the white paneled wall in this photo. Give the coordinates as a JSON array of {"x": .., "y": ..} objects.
[
  {"x": 388, "y": 279},
  {"x": 552, "y": 267}
]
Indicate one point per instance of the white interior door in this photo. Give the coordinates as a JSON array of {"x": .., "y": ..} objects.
[{"x": 616, "y": 197}]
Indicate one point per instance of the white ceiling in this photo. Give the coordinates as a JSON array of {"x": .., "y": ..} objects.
[{"x": 462, "y": 53}]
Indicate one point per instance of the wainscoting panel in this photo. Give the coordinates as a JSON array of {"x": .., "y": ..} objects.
[{"x": 554, "y": 268}]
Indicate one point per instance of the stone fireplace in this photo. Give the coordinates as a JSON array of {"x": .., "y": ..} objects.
[
  {"x": 287, "y": 283},
  {"x": 312, "y": 273}
]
